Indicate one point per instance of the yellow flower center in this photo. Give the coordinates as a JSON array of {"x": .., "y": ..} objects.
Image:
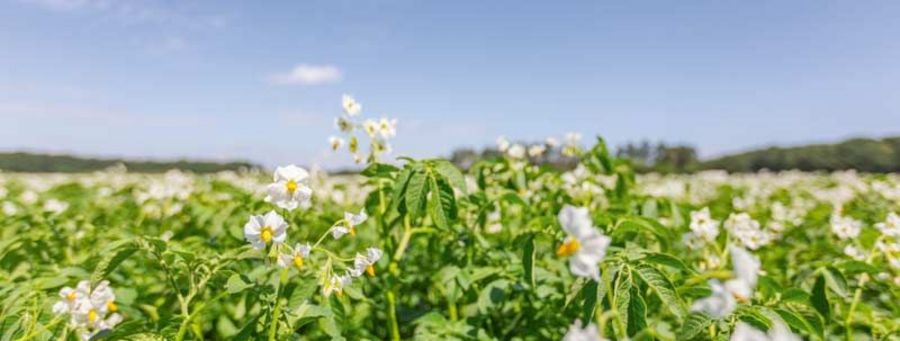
[
  {"x": 266, "y": 234},
  {"x": 92, "y": 315},
  {"x": 291, "y": 186},
  {"x": 370, "y": 270},
  {"x": 298, "y": 261},
  {"x": 568, "y": 248},
  {"x": 112, "y": 306},
  {"x": 70, "y": 296}
]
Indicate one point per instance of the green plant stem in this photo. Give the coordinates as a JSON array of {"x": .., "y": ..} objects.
[
  {"x": 857, "y": 295},
  {"x": 392, "y": 316},
  {"x": 276, "y": 312}
]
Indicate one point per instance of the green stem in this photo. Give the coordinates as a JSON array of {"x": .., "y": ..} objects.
[
  {"x": 276, "y": 312},
  {"x": 392, "y": 316}
]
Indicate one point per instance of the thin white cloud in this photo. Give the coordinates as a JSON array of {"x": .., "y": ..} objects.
[{"x": 305, "y": 74}]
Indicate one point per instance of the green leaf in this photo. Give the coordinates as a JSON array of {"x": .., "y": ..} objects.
[
  {"x": 662, "y": 287},
  {"x": 237, "y": 283},
  {"x": 416, "y": 194},
  {"x": 693, "y": 325},
  {"x": 452, "y": 174},
  {"x": 114, "y": 256},
  {"x": 442, "y": 205},
  {"x": 795, "y": 321},
  {"x": 379, "y": 170},
  {"x": 398, "y": 197},
  {"x": 590, "y": 300},
  {"x": 795, "y": 295},
  {"x": 492, "y": 294},
  {"x": 836, "y": 281},
  {"x": 622, "y": 298},
  {"x": 528, "y": 260},
  {"x": 819, "y": 299},
  {"x": 666, "y": 260},
  {"x": 637, "y": 312}
]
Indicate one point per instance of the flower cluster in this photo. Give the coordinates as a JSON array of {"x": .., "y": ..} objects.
[
  {"x": 289, "y": 190},
  {"x": 747, "y": 231},
  {"x": 379, "y": 132},
  {"x": 90, "y": 311}
]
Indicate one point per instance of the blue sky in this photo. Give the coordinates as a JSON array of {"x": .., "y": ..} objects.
[{"x": 211, "y": 79}]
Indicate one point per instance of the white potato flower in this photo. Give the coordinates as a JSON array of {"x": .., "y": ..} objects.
[
  {"x": 845, "y": 227},
  {"x": 718, "y": 305},
  {"x": 577, "y": 333},
  {"x": 366, "y": 263},
  {"x": 537, "y": 150},
  {"x": 552, "y": 142},
  {"x": 371, "y": 127},
  {"x": 854, "y": 252},
  {"x": 55, "y": 206},
  {"x": 335, "y": 142},
  {"x": 290, "y": 188},
  {"x": 890, "y": 226},
  {"x": 502, "y": 144},
  {"x": 336, "y": 284},
  {"x": 351, "y": 220},
  {"x": 387, "y": 129},
  {"x": 351, "y": 106},
  {"x": 724, "y": 298},
  {"x": 703, "y": 226},
  {"x": 71, "y": 296},
  {"x": 747, "y": 231},
  {"x": 516, "y": 151},
  {"x": 585, "y": 244},
  {"x": 261, "y": 230},
  {"x": 295, "y": 257}
]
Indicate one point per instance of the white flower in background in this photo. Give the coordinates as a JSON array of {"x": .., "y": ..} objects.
[
  {"x": 516, "y": 151},
  {"x": 335, "y": 142},
  {"x": 351, "y": 106},
  {"x": 366, "y": 263},
  {"x": 28, "y": 197},
  {"x": 502, "y": 144},
  {"x": 351, "y": 220},
  {"x": 370, "y": 127},
  {"x": 55, "y": 206},
  {"x": 295, "y": 257},
  {"x": 552, "y": 142},
  {"x": 891, "y": 225},
  {"x": 746, "y": 270},
  {"x": 854, "y": 252},
  {"x": 261, "y": 231},
  {"x": 290, "y": 188},
  {"x": 572, "y": 140},
  {"x": 845, "y": 227},
  {"x": 747, "y": 231},
  {"x": 9, "y": 209},
  {"x": 387, "y": 129},
  {"x": 718, "y": 305},
  {"x": 703, "y": 226},
  {"x": 724, "y": 298},
  {"x": 585, "y": 244},
  {"x": 537, "y": 150},
  {"x": 778, "y": 332},
  {"x": 336, "y": 284},
  {"x": 577, "y": 333}
]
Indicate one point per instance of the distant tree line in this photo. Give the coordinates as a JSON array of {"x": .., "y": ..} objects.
[
  {"x": 42, "y": 163},
  {"x": 867, "y": 155}
]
